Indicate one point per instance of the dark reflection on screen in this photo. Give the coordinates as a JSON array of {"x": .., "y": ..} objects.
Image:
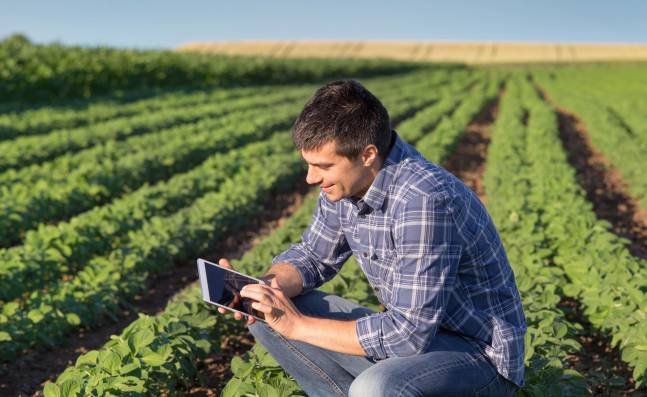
[{"x": 224, "y": 286}]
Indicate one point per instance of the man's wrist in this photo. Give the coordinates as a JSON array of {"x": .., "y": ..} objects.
[{"x": 301, "y": 327}]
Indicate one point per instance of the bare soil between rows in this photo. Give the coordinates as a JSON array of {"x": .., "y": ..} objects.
[
  {"x": 603, "y": 184},
  {"x": 601, "y": 364},
  {"x": 468, "y": 160},
  {"x": 27, "y": 374}
]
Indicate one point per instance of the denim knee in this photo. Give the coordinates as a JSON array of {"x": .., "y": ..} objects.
[{"x": 371, "y": 383}]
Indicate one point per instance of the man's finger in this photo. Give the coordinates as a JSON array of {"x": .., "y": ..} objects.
[
  {"x": 259, "y": 296},
  {"x": 262, "y": 307},
  {"x": 224, "y": 263}
]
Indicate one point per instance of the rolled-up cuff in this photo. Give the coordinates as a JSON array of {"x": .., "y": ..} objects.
[
  {"x": 369, "y": 333},
  {"x": 309, "y": 275}
]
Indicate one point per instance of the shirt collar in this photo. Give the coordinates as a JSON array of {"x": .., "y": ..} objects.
[{"x": 374, "y": 196}]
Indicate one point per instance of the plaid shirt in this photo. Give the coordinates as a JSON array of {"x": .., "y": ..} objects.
[{"x": 433, "y": 256}]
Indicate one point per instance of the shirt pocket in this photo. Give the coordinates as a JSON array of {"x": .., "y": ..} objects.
[{"x": 382, "y": 265}]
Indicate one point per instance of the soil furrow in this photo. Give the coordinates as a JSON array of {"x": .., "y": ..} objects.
[{"x": 605, "y": 189}]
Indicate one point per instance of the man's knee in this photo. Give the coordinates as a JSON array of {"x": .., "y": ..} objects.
[{"x": 371, "y": 383}]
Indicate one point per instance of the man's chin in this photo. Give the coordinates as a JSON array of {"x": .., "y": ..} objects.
[{"x": 332, "y": 197}]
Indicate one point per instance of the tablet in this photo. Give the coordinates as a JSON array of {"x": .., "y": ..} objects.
[{"x": 221, "y": 287}]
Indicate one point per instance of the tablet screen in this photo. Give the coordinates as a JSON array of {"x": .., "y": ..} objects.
[{"x": 224, "y": 285}]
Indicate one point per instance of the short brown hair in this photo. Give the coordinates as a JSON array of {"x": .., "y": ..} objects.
[{"x": 346, "y": 112}]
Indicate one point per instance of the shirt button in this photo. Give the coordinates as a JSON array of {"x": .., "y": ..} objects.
[{"x": 365, "y": 254}]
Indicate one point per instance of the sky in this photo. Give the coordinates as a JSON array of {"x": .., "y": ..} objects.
[{"x": 167, "y": 24}]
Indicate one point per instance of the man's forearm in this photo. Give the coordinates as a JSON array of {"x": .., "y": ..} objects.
[
  {"x": 288, "y": 278},
  {"x": 335, "y": 335}
]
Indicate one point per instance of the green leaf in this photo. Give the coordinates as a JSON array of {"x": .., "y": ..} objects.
[
  {"x": 241, "y": 368},
  {"x": 131, "y": 384},
  {"x": 266, "y": 360},
  {"x": 159, "y": 357},
  {"x": 236, "y": 388},
  {"x": 35, "y": 315},
  {"x": 4, "y": 336},
  {"x": 70, "y": 388},
  {"x": 140, "y": 339},
  {"x": 73, "y": 319},
  {"x": 128, "y": 368},
  {"x": 89, "y": 358},
  {"x": 560, "y": 329},
  {"x": 51, "y": 390},
  {"x": 267, "y": 391},
  {"x": 109, "y": 360}
]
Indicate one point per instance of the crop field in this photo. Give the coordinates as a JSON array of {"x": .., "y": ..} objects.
[
  {"x": 472, "y": 53},
  {"x": 109, "y": 194}
]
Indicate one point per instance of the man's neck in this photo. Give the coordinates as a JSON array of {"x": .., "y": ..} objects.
[{"x": 375, "y": 169}]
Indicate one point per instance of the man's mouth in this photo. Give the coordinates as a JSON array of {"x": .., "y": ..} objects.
[{"x": 326, "y": 188}]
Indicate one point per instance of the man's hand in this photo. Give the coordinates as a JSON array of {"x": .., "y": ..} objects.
[
  {"x": 280, "y": 312},
  {"x": 236, "y": 301}
]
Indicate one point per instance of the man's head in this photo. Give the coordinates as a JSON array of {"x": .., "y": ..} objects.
[{"x": 343, "y": 133}]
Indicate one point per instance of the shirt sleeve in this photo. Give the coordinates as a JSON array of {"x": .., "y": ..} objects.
[
  {"x": 427, "y": 252},
  {"x": 323, "y": 248}
]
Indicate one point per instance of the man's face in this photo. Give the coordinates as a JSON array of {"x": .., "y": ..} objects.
[{"x": 336, "y": 175}]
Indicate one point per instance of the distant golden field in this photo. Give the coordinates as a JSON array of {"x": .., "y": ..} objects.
[{"x": 430, "y": 51}]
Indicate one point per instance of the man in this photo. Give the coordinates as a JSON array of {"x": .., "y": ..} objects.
[{"x": 453, "y": 324}]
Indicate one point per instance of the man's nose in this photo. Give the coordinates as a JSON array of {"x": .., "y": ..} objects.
[{"x": 313, "y": 177}]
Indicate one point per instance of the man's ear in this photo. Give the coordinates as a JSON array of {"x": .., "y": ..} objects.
[{"x": 369, "y": 155}]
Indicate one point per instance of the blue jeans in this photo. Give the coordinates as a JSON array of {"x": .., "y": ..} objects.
[{"x": 452, "y": 365}]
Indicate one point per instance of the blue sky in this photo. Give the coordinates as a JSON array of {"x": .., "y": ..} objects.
[{"x": 166, "y": 24}]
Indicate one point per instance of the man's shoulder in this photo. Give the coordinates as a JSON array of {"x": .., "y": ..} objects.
[{"x": 419, "y": 178}]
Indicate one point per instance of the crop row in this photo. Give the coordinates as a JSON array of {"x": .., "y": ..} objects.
[
  {"x": 608, "y": 281},
  {"x": 59, "y": 168},
  {"x": 180, "y": 149},
  {"x": 186, "y": 330},
  {"x": 87, "y": 112},
  {"x": 24, "y": 151},
  {"x": 510, "y": 185},
  {"x": 34, "y": 302},
  {"x": 52, "y": 250},
  {"x": 107, "y": 281},
  {"x": 45, "y": 119},
  {"x": 447, "y": 100},
  {"x": 442, "y": 142},
  {"x": 623, "y": 143}
]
